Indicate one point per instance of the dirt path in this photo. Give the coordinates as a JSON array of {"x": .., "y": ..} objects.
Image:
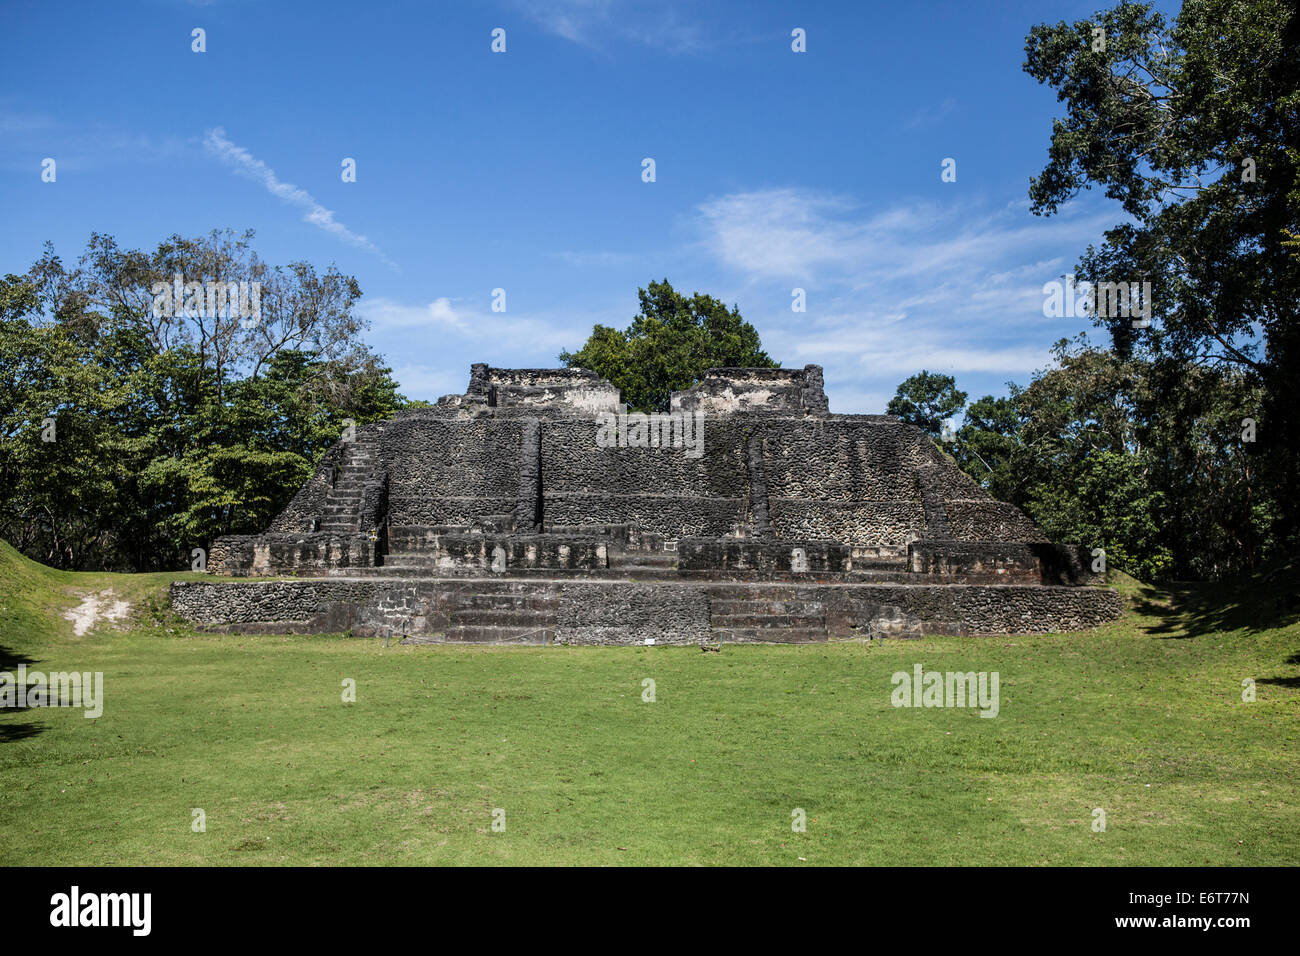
[{"x": 93, "y": 608}]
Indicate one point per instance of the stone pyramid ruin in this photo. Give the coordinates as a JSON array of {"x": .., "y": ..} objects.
[{"x": 534, "y": 509}]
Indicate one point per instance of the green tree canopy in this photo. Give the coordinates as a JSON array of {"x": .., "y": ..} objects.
[
  {"x": 1193, "y": 125},
  {"x": 926, "y": 400},
  {"x": 132, "y": 434},
  {"x": 672, "y": 340},
  {"x": 1142, "y": 458}
]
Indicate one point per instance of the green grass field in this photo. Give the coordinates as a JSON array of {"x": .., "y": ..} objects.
[{"x": 1143, "y": 719}]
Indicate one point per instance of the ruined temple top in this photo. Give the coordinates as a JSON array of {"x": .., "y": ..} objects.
[{"x": 721, "y": 391}]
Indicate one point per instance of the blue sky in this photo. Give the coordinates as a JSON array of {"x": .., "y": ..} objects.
[{"x": 522, "y": 170}]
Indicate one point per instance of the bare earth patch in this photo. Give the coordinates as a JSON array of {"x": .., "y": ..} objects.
[{"x": 93, "y": 608}]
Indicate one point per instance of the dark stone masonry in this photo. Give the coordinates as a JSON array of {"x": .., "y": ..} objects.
[{"x": 534, "y": 509}]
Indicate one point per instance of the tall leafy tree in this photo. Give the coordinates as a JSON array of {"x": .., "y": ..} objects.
[
  {"x": 927, "y": 400},
  {"x": 672, "y": 340},
  {"x": 1193, "y": 126},
  {"x": 171, "y": 425}
]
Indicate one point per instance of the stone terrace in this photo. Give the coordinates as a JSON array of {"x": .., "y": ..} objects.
[{"x": 508, "y": 514}]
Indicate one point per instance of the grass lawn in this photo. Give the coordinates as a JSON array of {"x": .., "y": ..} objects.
[{"x": 1143, "y": 719}]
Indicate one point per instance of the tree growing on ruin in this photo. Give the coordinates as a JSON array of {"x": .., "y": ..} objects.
[
  {"x": 671, "y": 342},
  {"x": 927, "y": 400}
]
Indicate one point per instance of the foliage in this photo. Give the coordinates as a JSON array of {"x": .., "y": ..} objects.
[
  {"x": 671, "y": 342},
  {"x": 1193, "y": 126},
  {"x": 133, "y": 434},
  {"x": 927, "y": 400},
  {"x": 1144, "y": 459}
]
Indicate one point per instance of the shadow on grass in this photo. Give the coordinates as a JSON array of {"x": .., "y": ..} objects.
[
  {"x": 1292, "y": 682},
  {"x": 1253, "y": 603},
  {"x": 10, "y": 659},
  {"x": 9, "y": 662}
]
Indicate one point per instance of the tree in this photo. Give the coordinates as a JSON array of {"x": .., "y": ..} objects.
[
  {"x": 987, "y": 442},
  {"x": 1139, "y": 457},
  {"x": 1192, "y": 126},
  {"x": 671, "y": 342},
  {"x": 1083, "y": 470},
  {"x": 171, "y": 425},
  {"x": 927, "y": 400}
]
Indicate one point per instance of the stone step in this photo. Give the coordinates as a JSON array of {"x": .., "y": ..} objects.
[
  {"x": 766, "y": 606},
  {"x": 767, "y": 593},
  {"x": 656, "y": 559},
  {"x": 523, "y": 619},
  {"x": 487, "y": 634},
  {"x": 763, "y": 635},
  {"x": 645, "y": 571},
  {"x": 763, "y": 621},
  {"x": 410, "y": 559},
  {"x": 502, "y": 601},
  {"x": 373, "y": 572}
]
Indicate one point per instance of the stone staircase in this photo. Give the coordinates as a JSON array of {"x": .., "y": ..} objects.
[
  {"x": 489, "y": 613},
  {"x": 771, "y": 614},
  {"x": 342, "y": 511},
  {"x": 795, "y": 615}
]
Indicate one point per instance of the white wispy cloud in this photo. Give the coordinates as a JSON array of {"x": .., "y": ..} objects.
[
  {"x": 932, "y": 115},
  {"x": 953, "y": 287},
  {"x": 246, "y": 164},
  {"x": 592, "y": 23},
  {"x": 457, "y": 322},
  {"x": 78, "y": 146}
]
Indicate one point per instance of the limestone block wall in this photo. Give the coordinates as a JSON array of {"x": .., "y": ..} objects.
[
  {"x": 661, "y": 490},
  {"x": 450, "y": 471},
  {"x": 620, "y": 612},
  {"x": 726, "y": 391},
  {"x": 289, "y": 554},
  {"x": 630, "y": 614},
  {"x": 488, "y": 554},
  {"x": 571, "y": 391},
  {"x": 519, "y": 451},
  {"x": 762, "y": 555},
  {"x": 1027, "y": 562}
]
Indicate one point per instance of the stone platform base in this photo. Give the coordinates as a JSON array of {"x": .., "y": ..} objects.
[{"x": 623, "y": 612}]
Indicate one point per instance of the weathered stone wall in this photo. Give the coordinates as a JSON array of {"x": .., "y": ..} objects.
[
  {"x": 764, "y": 555},
  {"x": 289, "y": 554},
  {"x": 661, "y": 490},
  {"x": 983, "y": 561},
  {"x": 488, "y": 554},
  {"x": 450, "y": 471},
  {"x": 574, "y": 391},
  {"x": 782, "y": 391},
  {"x": 631, "y": 614},
  {"x": 619, "y": 612},
  {"x": 519, "y": 452}
]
